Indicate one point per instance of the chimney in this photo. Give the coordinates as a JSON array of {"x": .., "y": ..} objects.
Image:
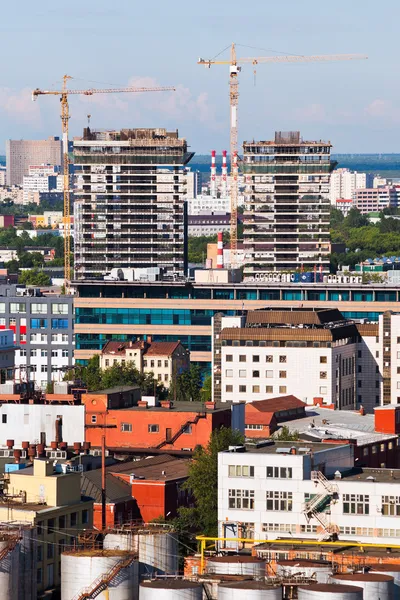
[
  {"x": 213, "y": 181},
  {"x": 17, "y": 456},
  {"x": 166, "y": 404},
  {"x": 142, "y": 403},
  {"x": 149, "y": 339},
  {"x": 224, "y": 185},
  {"x": 220, "y": 251},
  {"x": 210, "y": 405}
]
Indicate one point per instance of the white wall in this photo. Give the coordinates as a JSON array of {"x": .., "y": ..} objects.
[{"x": 25, "y": 422}]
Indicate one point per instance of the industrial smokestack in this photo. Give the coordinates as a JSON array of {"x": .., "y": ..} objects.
[
  {"x": 224, "y": 184},
  {"x": 213, "y": 181},
  {"x": 220, "y": 251}
]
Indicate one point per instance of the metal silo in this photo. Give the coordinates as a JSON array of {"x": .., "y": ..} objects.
[
  {"x": 391, "y": 569},
  {"x": 375, "y": 585},
  {"x": 237, "y": 565},
  {"x": 170, "y": 589},
  {"x": 9, "y": 568},
  {"x": 124, "y": 540},
  {"x": 158, "y": 552},
  {"x": 321, "y": 570},
  {"x": 330, "y": 591},
  {"x": 250, "y": 590},
  {"x": 113, "y": 572}
]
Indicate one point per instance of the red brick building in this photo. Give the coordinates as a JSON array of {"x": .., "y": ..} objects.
[
  {"x": 263, "y": 416},
  {"x": 178, "y": 426}
]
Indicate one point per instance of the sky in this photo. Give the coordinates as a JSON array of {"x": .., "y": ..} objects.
[{"x": 103, "y": 44}]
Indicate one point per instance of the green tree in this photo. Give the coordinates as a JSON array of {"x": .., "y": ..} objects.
[
  {"x": 34, "y": 277},
  {"x": 285, "y": 435},
  {"x": 355, "y": 219},
  {"x": 206, "y": 390},
  {"x": 187, "y": 386},
  {"x": 203, "y": 480},
  {"x": 336, "y": 217}
]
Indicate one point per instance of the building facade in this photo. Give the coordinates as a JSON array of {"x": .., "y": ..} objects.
[
  {"x": 306, "y": 490},
  {"x": 286, "y": 216},
  {"x": 344, "y": 184},
  {"x": 129, "y": 198},
  {"x": 20, "y": 154},
  {"x": 43, "y": 333},
  {"x": 376, "y": 199}
]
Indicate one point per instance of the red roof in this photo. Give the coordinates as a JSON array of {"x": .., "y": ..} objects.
[
  {"x": 162, "y": 348},
  {"x": 278, "y": 404},
  {"x": 115, "y": 347}
]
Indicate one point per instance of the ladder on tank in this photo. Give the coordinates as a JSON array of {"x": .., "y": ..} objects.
[
  {"x": 102, "y": 582},
  {"x": 314, "y": 508}
]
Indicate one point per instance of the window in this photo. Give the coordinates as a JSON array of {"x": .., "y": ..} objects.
[
  {"x": 38, "y": 309},
  {"x": 269, "y": 374},
  {"x": 242, "y": 389},
  {"x": 145, "y": 363},
  {"x": 33, "y": 353},
  {"x": 359, "y": 354},
  {"x": 59, "y": 309},
  {"x": 61, "y": 522},
  {"x": 355, "y": 504},
  {"x": 22, "y": 352},
  {"x": 323, "y": 359},
  {"x": 64, "y": 353},
  {"x": 38, "y": 323},
  {"x": 282, "y": 389},
  {"x": 94, "y": 419},
  {"x": 282, "y": 374},
  {"x": 282, "y": 359},
  {"x": 229, "y": 373},
  {"x": 323, "y": 374},
  {"x": 252, "y": 426},
  {"x": 39, "y": 575},
  {"x": 281, "y": 527},
  {"x": 374, "y": 450},
  {"x": 159, "y": 363},
  {"x": 240, "y": 471},
  {"x": 256, "y": 389},
  {"x": 40, "y": 553},
  {"x": 269, "y": 389},
  {"x": 269, "y": 358},
  {"x": 43, "y": 369},
  {"x": 59, "y": 323},
  {"x": 17, "y": 307},
  {"x": 281, "y": 501},
  {"x": 153, "y": 428},
  {"x": 166, "y": 364},
  {"x": 256, "y": 373},
  {"x": 127, "y": 427},
  {"x": 242, "y": 358},
  {"x": 43, "y": 353},
  {"x": 242, "y": 373},
  {"x": 39, "y": 527},
  {"x": 166, "y": 376},
  {"x": 12, "y": 321},
  {"x": 256, "y": 358},
  {"x": 4, "y": 418},
  {"x": 242, "y": 499},
  {"x": 74, "y": 519},
  {"x": 391, "y": 506},
  {"x": 323, "y": 389},
  {"x": 229, "y": 388},
  {"x": 159, "y": 377},
  {"x": 279, "y": 472},
  {"x": 229, "y": 358},
  {"x": 85, "y": 516},
  {"x": 50, "y": 551}
]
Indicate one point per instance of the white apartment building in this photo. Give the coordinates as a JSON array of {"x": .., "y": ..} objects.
[
  {"x": 2, "y": 175},
  {"x": 344, "y": 205},
  {"x": 310, "y": 490},
  {"x": 389, "y": 357},
  {"x": 206, "y": 204},
  {"x": 38, "y": 183},
  {"x": 344, "y": 183},
  {"x": 7, "y": 354},
  {"x": 310, "y": 354}
]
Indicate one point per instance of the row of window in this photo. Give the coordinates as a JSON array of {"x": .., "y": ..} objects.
[
  {"x": 256, "y": 374},
  {"x": 269, "y": 358},
  {"x": 256, "y": 389},
  {"x": 152, "y": 428},
  {"x": 146, "y": 363},
  {"x": 43, "y": 353},
  {"x": 36, "y": 308},
  {"x": 41, "y": 338},
  {"x": 64, "y": 521},
  {"x": 55, "y": 323}
]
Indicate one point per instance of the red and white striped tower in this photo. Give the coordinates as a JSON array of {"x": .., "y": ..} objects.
[
  {"x": 220, "y": 251},
  {"x": 213, "y": 181},
  {"x": 224, "y": 184}
]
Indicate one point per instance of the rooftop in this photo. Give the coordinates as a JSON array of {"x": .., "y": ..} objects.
[
  {"x": 117, "y": 490},
  {"x": 119, "y": 389},
  {"x": 289, "y": 317},
  {"x": 153, "y": 468},
  {"x": 289, "y": 333},
  {"x": 372, "y": 475},
  {"x": 189, "y": 407},
  {"x": 271, "y": 446},
  {"x": 281, "y": 403},
  {"x": 323, "y": 423}
]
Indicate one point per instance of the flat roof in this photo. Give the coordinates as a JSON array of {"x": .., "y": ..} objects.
[
  {"x": 270, "y": 446},
  {"x": 116, "y": 390},
  {"x": 192, "y": 407},
  {"x": 372, "y": 475},
  {"x": 152, "y": 468},
  {"x": 323, "y": 423}
]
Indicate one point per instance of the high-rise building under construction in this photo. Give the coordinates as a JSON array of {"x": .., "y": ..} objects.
[
  {"x": 130, "y": 210},
  {"x": 286, "y": 216}
]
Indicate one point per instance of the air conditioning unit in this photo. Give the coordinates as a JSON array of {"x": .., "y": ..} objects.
[
  {"x": 6, "y": 453},
  {"x": 56, "y": 454},
  {"x": 95, "y": 452}
]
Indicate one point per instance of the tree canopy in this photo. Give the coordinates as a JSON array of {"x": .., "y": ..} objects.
[{"x": 34, "y": 277}]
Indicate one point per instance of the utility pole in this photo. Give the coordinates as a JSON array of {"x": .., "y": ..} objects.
[{"x": 103, "y": 483}]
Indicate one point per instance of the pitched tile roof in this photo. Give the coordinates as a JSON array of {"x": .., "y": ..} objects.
[
  {"x": 116, "y": 489},
  {"x": 162, "y": 348},
  {"x": 115, "y": 347},
  {"x": 277, "y": 404},
  {"x": 294, "y": 317},
  {"x": 152, "y": 468}
]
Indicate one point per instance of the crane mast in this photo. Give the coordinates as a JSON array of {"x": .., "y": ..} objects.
[
  {"x": 234, "y": 70},
  {"x": 65, "y": 116}
]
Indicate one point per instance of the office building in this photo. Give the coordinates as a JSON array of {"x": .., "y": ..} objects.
[
  {"x": 286, "y": 216},
  {"x": 43, "y": 333},
  {"x": 344, "y": 184},
  {"x": 208, "y": 224},
  {"x": 129, "y": 198},
  {"x": 7, "y": 355},
  {"x": 308, "y": 490},
  {"x": 344, "y": 205},
  {"x": 376, "y": 199},
  {"x": 3, "y": 175},
  {"x": 21, "y": 154}
]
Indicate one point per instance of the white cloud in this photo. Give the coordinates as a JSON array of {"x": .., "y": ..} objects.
[
  {"x": 378, "y": 108},
  {"x": 311, "y": 112},
  {"x": 18, "y": 105}
]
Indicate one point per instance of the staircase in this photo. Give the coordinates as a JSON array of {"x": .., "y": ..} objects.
[
  {"x": 315, "y": 507},
  {"x": 102, "y": 582},
  {"x": 181, "y": 430},
  {"x": 13, "y": 541}
]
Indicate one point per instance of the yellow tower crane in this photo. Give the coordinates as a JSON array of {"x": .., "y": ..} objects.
[
  {"x": 234, "y": 69},
  {"x": 65, "y": 116}
]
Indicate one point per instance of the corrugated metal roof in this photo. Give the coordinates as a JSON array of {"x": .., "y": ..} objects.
[
  {"x": 278, "y": 404},
  {"x": 152, "y": 468},
  {"x": 368, "y": 329},
  {"x": 289, "y": 334},
  {"x": 116, "y": 489},
  {"x": 162, "y": 348},
  {"x": 293, "y": 317}
]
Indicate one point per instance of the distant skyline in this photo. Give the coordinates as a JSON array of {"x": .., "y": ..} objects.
[{"x": 355, "y": 105}]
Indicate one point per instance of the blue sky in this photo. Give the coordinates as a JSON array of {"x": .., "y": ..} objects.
[{"x": 356, "y": 105}]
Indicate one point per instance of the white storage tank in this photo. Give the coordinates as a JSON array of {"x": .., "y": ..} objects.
[
  {"x": 28, "y": 564},
  {"x": 249, "y": 590},
  {"x": 9, "y": 569},
  {"x": 237, "y": 565},
  {"x": 158, "y": 552},
  {"x": 170, "y": 589},
  {"x": 121, "y": 541},
  {"x": 82, "y": 569},
  {"x": 329, "y": 591},
  {"x": 391, "y": 569},
  {"x": 321, "y": 570},
  {"x": 375, "y": 585}
]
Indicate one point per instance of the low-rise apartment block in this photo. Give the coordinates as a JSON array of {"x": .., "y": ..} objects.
[{"x": 308, "y": 490}]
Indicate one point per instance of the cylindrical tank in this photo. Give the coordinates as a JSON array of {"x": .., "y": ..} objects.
[
  {"x": 158, "y": 552},
  {"x": 9, "y": 570},
  {"x": 330, "y": 591},
  {"x": 251, "y": 590},
  {"x": 28, "y": 564},
  {"x": 322, "y": 570},
  {"x": 237, "y": 565},
  {"x": 121, "y": 541},
  {"x": 375, "y": 585},
  {"x": 391, "y": 569},
  {"x": 81, "y": 569},
  {"x": 170, "y": 589}
]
